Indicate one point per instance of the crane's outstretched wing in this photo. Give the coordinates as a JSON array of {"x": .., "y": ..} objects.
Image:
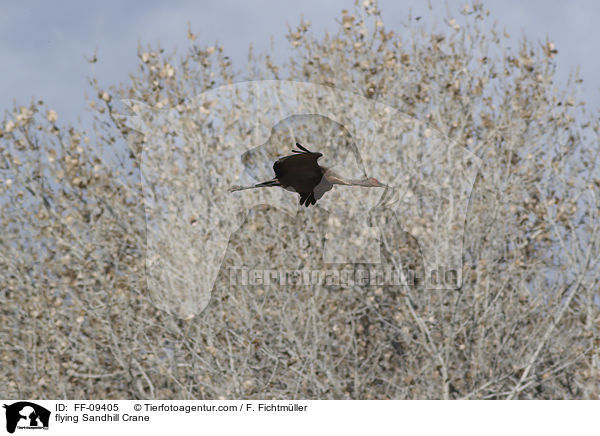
[
  {"x": 307, "y": 198},
  {"x": 299, "y": 171},
  {"x": 301, "y": 147}
]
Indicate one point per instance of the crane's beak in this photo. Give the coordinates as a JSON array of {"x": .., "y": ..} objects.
[{"x": 377, "y": 184}]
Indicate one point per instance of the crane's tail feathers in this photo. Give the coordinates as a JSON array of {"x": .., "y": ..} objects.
[{"x": 268, "y": 183}]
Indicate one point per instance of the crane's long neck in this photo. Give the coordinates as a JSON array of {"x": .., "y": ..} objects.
[{"x": 336, "y": 179}]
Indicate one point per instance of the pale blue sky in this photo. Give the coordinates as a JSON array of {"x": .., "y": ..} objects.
[{"x": 42, "y": 43}]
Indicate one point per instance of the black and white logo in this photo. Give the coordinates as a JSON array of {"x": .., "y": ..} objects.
[{"x": 26, "y": 415}]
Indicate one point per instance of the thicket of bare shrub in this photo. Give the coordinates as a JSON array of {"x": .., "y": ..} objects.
[{"x": 77, "y": 320}]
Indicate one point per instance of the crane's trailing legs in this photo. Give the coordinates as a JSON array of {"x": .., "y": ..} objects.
[{"x": 273, "y": 182}]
